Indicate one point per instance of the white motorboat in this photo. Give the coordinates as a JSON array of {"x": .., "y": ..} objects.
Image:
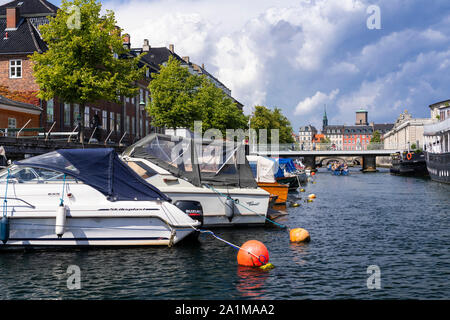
[
  {"x": 213, "y": 177},
  {"x": 85, "y": 197}
]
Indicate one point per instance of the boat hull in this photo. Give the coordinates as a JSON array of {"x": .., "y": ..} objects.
[
  {"x": 250, "y": 210},
  {"x": 277, "y": 189},
  {"x": 98, "y": 231},
  {"x": 293, "y": 182},
  {"x": 438, "y": 166}
]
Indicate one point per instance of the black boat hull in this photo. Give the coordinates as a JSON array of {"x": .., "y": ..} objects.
[{"x": 438, "y": 165}]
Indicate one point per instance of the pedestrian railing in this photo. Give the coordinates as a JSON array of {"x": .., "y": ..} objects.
[{"x": 315, "y": 147}]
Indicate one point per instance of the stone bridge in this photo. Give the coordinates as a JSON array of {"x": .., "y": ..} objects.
[{"x": 311, "y": 158}]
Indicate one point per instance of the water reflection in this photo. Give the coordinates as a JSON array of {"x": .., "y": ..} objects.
[
  {"x": 300, "y": 252},
  {"x": 251, "y": 282}
]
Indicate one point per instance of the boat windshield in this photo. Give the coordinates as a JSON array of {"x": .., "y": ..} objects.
[
  {"x": 22, "y": 174},
  {"x": 200, "y": 161}
]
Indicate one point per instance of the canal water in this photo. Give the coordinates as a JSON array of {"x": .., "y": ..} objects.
[{"x": 399, "y": 224}]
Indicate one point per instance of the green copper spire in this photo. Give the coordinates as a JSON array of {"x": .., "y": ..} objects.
[{"x": 325, "y": 118}]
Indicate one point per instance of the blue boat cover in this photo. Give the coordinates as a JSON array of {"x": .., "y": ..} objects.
[
  {"x": 284, "y": 164},
  {"x": 99, "y": 168}
]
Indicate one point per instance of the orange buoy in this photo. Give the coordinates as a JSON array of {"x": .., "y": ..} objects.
[
  {"x": 253, "y": 253},
  {"x": 299, "y": 235},
  {"x": 312, "y": 196},
  {"x": 313, "y": 173}
]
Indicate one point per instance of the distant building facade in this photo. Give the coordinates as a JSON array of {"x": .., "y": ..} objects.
[
  {"x": 355, "y": 137},
  {"x": 407, "y": 131},
  {"x": 305, "y": 137}
]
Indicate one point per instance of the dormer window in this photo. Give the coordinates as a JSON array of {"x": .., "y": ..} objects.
[{"x": 15, "y": 68}]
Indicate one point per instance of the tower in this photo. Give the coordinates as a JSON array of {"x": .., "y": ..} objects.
[
  {"x": 325, "y": 119},
  {"x": 361, "y": 117}
]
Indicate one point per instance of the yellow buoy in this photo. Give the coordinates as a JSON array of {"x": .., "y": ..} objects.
[
  {"x": 295, "y": 205},
  {"x": 302, "y": 190},
  {"x": 267, "y": 266},
  {"x": 309, "y": 200},
  {"x": 299, "y": 235},
  {"x": 312, "y": 196}
]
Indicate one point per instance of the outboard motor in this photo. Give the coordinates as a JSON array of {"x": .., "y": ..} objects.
[{"x": 192, "y": 208}]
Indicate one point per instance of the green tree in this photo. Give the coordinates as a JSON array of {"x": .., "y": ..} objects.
[
  {"x": 172, "y": 92},
  {"x": 264, "y": 118},
  {"x": 376, "y": 137},
  {"x": 178, "y": 98},
  {"x": 82, "y": 63},
  {"x": 218, "y": 111}
]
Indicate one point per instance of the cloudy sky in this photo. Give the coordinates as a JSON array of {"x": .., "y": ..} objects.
[{"x": 302, "y": 54}]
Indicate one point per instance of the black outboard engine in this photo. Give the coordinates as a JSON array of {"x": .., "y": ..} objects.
[{"x": 192, "y": 208}]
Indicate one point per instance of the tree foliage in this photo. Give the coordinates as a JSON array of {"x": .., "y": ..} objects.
[
  {"x": 264, "y": 118},
  {"x": 376, "y": 137},
  {"x": 178, "y": 98},
  {"x": 81, "y": 64}
]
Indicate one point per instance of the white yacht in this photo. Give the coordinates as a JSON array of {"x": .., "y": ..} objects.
[
  {"x": 85, "y": 197},
  {"x": 210, "y": 177}
]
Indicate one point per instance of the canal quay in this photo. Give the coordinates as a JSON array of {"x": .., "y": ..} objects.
[{"x": 357, "y": 223}]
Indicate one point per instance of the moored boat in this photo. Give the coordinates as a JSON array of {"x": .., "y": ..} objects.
[
  {"x": 437, "y": 146},
  {"x": 264, "y": 171},
  {"x": 85, "y": 197},
  {"x": 408, "y": 163},
  {"x": 213, "y": 173}
]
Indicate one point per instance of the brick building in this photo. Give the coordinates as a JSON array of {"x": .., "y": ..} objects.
[
  {"x": 15, "y": 114},
  {"x": 355, "y": 137}
]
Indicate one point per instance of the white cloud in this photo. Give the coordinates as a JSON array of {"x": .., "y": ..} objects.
[
  {"x": 316, "y": 102},
  {"x": 300, "y": 55}
]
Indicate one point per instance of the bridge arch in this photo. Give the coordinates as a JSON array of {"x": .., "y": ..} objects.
[{"x": 327, "y": 160}]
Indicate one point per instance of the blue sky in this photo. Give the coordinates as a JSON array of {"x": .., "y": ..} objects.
[{"x": 299, "y": 55}]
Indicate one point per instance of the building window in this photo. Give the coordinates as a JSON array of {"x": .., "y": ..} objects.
[
  {"x": 66, "y": 114},
  {"x": 50, "y": 111},
  {"x": 105, "y": 119},
  {"x": 76, "y": 114},
  {"x": 127, "y": 127},
  {"x": 111, "y": 121},
  {"x": 12, "y": 123},
  {"x": 118, "y": 122},
  {"x": 86, "y": 116},
  {"x": 15, "y": 68},
  {"x": 133, "y": 128}
]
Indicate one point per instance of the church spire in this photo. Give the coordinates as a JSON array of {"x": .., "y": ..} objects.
[{"x": 325, "y": 119}]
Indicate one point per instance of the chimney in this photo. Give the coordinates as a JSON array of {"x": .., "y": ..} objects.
[
  {"x": 12, "y": 18},
  {"x": 126, "y": 41},
  {"x": 171, "y": 48},
  {"x": 146, "y": 46},
  {"x": 186, "y": 59}
]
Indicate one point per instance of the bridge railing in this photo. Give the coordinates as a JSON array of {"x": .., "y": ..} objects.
[{"x": 313, "y": 147}]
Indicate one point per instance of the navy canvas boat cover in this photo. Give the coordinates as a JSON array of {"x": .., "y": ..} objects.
[{"x": 99, "y": 168}]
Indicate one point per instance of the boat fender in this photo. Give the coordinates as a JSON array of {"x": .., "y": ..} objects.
[
  {"x": 4, "y": 230},
  {"x": 60, "y": 222},
  {"x": 229, "y": 209}
]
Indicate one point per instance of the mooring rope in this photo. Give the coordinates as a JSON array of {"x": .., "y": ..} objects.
[
  {"x": 62, "y": 194},
  {"x": 5, "y": 201},
  {"x": 228, "y": 197},
  {"x": 232, "y": 245}
]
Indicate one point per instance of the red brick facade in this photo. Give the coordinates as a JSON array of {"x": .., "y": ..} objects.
[
  {"x": 23, "y": 83},
  {"x": 65, "y": 116}
]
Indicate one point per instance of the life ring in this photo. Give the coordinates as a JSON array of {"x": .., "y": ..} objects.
[{"x": 409, "y": 156}]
